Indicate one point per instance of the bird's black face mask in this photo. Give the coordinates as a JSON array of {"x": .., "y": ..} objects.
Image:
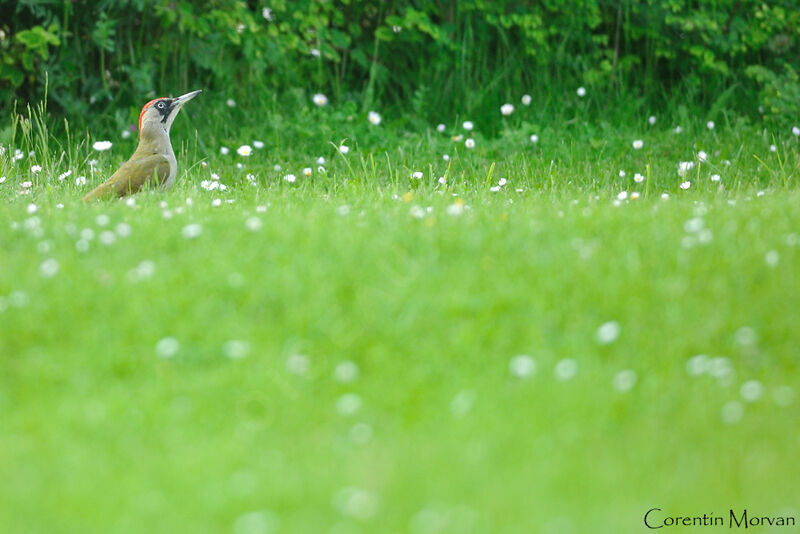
[{"x": 165, "y": 107}]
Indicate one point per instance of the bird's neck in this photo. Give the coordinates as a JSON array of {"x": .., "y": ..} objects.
[{"x": 154, "y": 141}]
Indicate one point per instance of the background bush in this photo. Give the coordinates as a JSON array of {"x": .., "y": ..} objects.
[{"x": 430, "y": 58}]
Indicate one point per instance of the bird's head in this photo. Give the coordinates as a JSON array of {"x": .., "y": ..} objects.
[{"x": 157, "y": 115}]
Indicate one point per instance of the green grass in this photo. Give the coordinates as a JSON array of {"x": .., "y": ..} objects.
[{"x": 102, "y": 434}]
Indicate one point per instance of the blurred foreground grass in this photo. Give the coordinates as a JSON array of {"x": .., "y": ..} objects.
[{"x": 318, "y": 360}]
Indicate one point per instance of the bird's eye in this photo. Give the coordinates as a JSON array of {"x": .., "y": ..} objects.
[{"x": 160, "y": 105}]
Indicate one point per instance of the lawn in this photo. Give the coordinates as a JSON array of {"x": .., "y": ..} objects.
[{"x": 538, "y": 344}]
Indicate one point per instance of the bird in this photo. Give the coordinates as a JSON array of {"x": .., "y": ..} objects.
[{"x": 153, "y": 163}]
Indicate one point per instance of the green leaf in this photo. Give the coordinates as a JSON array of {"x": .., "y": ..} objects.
[
  {"x": 359, "y": 57},
  {"x": 384, "y": 34},
  {"x": 339, "y": 39},
  {"x": 32, "y": 39}
]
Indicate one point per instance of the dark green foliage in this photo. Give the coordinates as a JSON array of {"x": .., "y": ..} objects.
[{"x": 433, "y": 58}]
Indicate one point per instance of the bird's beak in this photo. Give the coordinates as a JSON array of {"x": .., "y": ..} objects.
[{"x": 181, "y": 100}]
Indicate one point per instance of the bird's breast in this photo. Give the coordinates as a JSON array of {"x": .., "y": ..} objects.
[{"x": 173, "y": 171}]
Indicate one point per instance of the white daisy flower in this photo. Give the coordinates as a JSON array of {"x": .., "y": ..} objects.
[
  {"x": 440, "y": 127},
  {"x": 702, "y": 156},
  {"x": 36, "y": 169},
  {"x": 307, "y": 172},
  {"x": 470, "y": 143},
  {"x": 374, "y": 118},
  {"x": 167, "y": 347},
  {"x": 651, "y": 119},
  {"x": 231, "y": 103},
  {"x": 501, "y": 182},
  {"x": 622, "y": 195},
  {"x": 506, "y": 109},
  {"x": 344, "y": 149},
  {"x": 795, "y": 131},
  {"x": 244, "y": 150},
  {"x": 418, "y": 212},
  {"x": 684, "y": 167},
  {"x": 638, "y": 178},
  {"x": 677, "y": 130},
  {"x": 258, "y": 144},
  {"x": 635, "y": 195},
  {"x": 320, "y": 99},
  {"x": 236, "y": 349},
  {"x": 751, "y": 391},
  {"x": 64, "y": 175},
  {"x": 80, "y": 180},
  {"x": 224, "y": 150},
  {"x": 534, "y": 138},
  {"x": 581, "y": 92},
  {"x": 468, "y": 125},
  {"x": 346, "y": 372},
  {"x": 621, "y": 173},
  {"x": 49, "y": 268},
  {"x": 126, "y": 134},
  {"x": 638, "y": 144},
  {"x": 348, "y": 404},
  {"x": 608, "y": 332},
  {"x": 526, "y": 100},
  {"x": 456, "y": 208},
  {"x": 522, "y": 366},
  {"x": 710, "y": 125},
  {"x": 686, "y": 185},
  {"x": 772, "y": 258},
  {"x": 191, "y": 231},
  {"x": 100, "y": 146},
  {"x": 291, "y": 178},
  {"x": 298, "y": 364},
  {"x": 773, "y": 148},
  {"x": 732, "y": 412},
  {"x": 624, "y": 380},
  {"x": 715, "y": 177},
  {"x": 417, "y": 175},
  {"x": 446, "y": 157},
  {"x": 443, "y": 180},
  {"x": 566, "y": 369},
  {"x": 267, "y": 14},
  {"x": 320, "y": 161}
]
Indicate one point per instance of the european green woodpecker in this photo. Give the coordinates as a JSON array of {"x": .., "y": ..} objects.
[{"x": 154, "y": 161}]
